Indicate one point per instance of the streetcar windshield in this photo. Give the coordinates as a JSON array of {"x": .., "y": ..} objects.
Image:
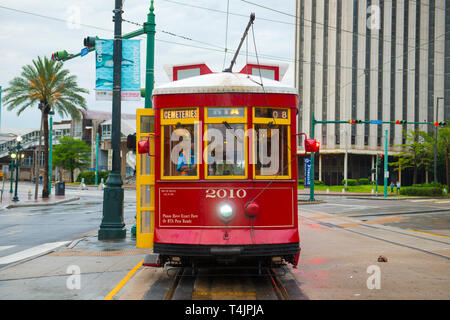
[{"x": 225, "y": 149}]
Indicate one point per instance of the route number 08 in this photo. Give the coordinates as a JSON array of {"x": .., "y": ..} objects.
[{"x": 225, "y": 193}]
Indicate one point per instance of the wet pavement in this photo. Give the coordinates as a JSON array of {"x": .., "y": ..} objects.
[{"x": 341, "y": 240}]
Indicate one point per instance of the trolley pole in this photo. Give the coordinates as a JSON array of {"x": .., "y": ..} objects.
[
  {"x": 113, "y": 226},
  {"x": 149, "y": 29}
]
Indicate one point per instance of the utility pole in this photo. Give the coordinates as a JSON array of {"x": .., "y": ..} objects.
[
  {"x": 436, "y": 138},
  {"x": 113, "y": 226}
]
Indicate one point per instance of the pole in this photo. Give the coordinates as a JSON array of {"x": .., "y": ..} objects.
[
  {"x": 0, "y": 106},
  {"x": 112, "y": 225},
  {"x": 376, "y": 177},
  {"x": 12, "y": 176},
  {"x": 38, "y": 161},
  {"x": 386, "y": 172},
  {"x": 50, "y": 153},
  {"x": 311, "y": 188},
  {"x": 346, "y": 161},
  {"x": 149, "y": 29},
  {"x": 96, "y": 160},
  {"x": 16, "y": 198},
  {"x": 436, "y": 139}
]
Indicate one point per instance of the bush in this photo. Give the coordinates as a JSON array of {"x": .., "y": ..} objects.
[
  {"x": 318, "y": 182},
  {"x": 421, "y": 191},
  {"x": 89, "y": 176},
  {"x": 432, "y": 184},
  {"x": 363, "y": 181},
  {"x": 301, "y": 182},
  {"x": 350, "y": 182}
]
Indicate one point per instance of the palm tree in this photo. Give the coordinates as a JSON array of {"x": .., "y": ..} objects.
[{"x": 48, "y": 86}]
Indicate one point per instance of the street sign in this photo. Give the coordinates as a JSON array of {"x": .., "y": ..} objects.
[
  {"x": 386, "y": 174},
  {"x": 307, "y": 181},
  {"x": 84, "y": 51},
  {"x": 376, "y": 121}
]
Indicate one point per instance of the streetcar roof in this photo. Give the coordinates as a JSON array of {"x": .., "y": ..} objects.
[{"x": 224, "y": 82}]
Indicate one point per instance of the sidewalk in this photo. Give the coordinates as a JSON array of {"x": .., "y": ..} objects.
[
  {"x": 25, "y": 195},
  {"x": 86, "y": 269},
  {"x": 368, "y": 196}
]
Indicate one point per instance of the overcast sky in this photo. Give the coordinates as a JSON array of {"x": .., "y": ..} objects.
[{"x": 24, "y": 37}]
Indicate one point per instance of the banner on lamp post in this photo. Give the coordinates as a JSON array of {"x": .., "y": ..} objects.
[{"x": 131, "y": 73}]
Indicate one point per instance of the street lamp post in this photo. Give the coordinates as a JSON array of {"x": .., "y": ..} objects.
[
  {"x": 112, "y": 225},
  {"x": 12, "y": 169},
  {"x": 18, "y": 154}
]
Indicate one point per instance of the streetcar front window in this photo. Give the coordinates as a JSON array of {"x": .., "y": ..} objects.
[
  {"x": 271, "y": 150},
  {"x": 225, "y": 150},
  {"x": 225, "y": 143},
  {"x": 272, "y": 143}
]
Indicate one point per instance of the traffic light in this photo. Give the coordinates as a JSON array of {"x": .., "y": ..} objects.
[
  {"x": 355, "y": 121},
  {"x": 89, "y": 42},
  {"x": 380, "y": 160},
  {"x": 312, "y": 145},
  {"x": 400, "y": 122},
  {"x": 131, "y": 142},
  {"x": 60, "y": 55},
  {"x": 440, "y": 124}
]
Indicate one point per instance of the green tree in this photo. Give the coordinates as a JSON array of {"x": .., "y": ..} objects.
[
  {"x": 444, "y": 148},
  {"x": 71, "y": 154},
  {"x": 417, "y": 152},
  {"x": 45, "y": 84}
]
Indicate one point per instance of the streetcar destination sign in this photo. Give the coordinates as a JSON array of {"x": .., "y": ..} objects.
[{"x": 180, "y": 114}]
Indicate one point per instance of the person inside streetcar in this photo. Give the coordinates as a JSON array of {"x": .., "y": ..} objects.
[{"x": 187, "y": 166}]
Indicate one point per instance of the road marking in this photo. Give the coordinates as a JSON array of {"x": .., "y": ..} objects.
[
  {"x": 443, "y": 201},
  {"x": 196, "y": 293},
  {"x": 431, "y": 234},
  {"x": 28, "y": 253},
  {"x": 385, "y": 220},
  {"x": 5, "y": 247},
  {"x": 123, "y": 281},
  {"x": 423, "y": 200}
]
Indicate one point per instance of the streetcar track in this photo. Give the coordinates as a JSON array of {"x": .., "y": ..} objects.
[{"x": 268, "y": 281}]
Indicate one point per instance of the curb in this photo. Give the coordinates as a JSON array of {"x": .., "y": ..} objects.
[{"x": 10, "y": 206}]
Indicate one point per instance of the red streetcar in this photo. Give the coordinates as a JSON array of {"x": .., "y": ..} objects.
[{"x": 226, "y": 171}]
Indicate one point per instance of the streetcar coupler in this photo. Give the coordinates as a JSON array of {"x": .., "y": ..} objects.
[{"x": 152, "y": 260}]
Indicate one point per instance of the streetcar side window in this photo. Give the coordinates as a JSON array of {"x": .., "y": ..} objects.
[{"x": 179, "y": 144}]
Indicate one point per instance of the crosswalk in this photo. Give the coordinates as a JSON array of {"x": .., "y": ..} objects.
[{"x": 30, "y": 252}]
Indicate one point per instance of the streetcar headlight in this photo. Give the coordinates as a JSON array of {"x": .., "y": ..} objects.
[{"x": 226, "y": 211}]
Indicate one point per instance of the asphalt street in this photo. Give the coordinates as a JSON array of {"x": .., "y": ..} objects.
[
  {"x": 30, "y": 231},
  {"x": 428, "y": 215}
]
